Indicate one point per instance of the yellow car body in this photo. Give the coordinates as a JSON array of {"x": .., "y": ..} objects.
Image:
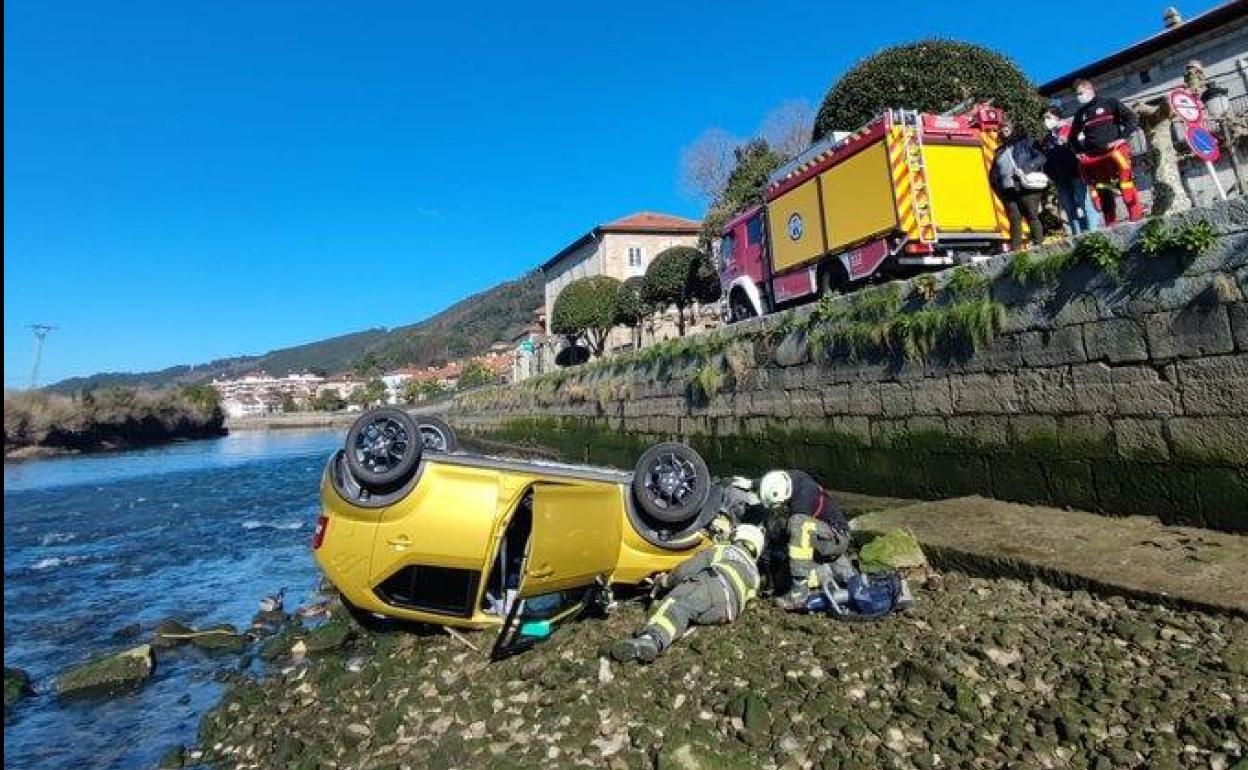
[{"x": 439, "y": 551}]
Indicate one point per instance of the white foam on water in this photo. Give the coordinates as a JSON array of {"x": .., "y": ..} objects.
[
  {"x": 55, "y": 538},
  {"x": 289, "y": 525},
  {"x": 52, "y": 562}
]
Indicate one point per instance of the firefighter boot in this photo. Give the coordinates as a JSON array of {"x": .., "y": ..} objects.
[
  {"x": 643, "y": 649},
  {"x": 794, "y": 600}
]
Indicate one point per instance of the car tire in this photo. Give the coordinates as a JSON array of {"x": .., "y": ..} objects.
[
  {"x": 671, "y": 482},
  {"x": 740, "y": 307},
  {"x": 383, "y": 448},
  {"x": 436, "y": 435}
]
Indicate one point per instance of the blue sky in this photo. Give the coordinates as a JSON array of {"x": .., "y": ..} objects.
[{"x": 185, "y": 181}]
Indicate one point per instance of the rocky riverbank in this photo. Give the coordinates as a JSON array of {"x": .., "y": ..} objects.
[{"x": 982, "y": 673}]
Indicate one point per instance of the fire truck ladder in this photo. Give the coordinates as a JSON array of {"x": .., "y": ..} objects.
[{"x": 911, "y": 122}]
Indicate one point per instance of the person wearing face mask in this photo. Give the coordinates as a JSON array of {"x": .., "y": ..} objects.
[
  {"x": 1062, "y": 167},
  {"x": 1098, "y": 134},
  {"x": 1018, "y": 180}
]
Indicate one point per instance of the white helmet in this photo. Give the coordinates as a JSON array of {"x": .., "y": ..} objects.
[
  {"x": 749, "y": 536},
  {"x": 775, "y": 488}
]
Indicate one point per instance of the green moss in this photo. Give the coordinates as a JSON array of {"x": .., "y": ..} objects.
[
  {"x": 1223, "y": 494},
  {"x": 967, "y": 282},
  {"x": 1030, "y": 269},
  {"x": 895, "y": 549},
  {"x": 1070, "y": 484}
]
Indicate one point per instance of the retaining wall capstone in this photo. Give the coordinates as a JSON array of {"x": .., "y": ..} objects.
[{"x": 1123, "y": 394}]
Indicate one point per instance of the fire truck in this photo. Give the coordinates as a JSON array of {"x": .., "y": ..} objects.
[{"x": 907, "y": 192}]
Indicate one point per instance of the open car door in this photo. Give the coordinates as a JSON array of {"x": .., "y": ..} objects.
[{"x": 572, "y": 551}]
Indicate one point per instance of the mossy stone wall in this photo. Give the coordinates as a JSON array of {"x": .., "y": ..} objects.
[{"x": 1123, "y": 394}]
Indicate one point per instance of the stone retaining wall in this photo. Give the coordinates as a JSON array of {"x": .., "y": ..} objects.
[{"x": 1121, "y": 395}]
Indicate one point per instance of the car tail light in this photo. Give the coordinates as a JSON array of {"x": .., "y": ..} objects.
[{"x": 318, "y": 537}]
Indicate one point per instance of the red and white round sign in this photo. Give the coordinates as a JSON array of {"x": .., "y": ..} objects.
[{"x": 1187, "y": 105}]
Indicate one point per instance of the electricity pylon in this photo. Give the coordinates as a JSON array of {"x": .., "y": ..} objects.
[{"x": 41, "y": 331}]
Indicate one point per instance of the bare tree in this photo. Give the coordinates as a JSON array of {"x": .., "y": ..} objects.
[
  {"x": 787, "y": 127},
  {"x": 706, "y": 163}
]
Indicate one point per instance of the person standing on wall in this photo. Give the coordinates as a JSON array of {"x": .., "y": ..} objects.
[
  {"x": 1062, "y": 168},
  {"x": 1098, "y": 135},
  {"x": 1019, "y": 181}
]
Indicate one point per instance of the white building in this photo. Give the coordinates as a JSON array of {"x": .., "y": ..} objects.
[
  {"x": 259, "y": 391},
  {"x": 1151, "y": 68}
]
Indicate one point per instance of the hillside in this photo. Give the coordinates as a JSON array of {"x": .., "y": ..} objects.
[{"x": 465, "y": 328}]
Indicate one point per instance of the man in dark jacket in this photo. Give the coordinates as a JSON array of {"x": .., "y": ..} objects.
[
  {"x": 1062, "y": 167},
  {"x": 1013, "y": 169},
  {"x": 817, "y": 528},
  {"x": 1099, "y": 134}
]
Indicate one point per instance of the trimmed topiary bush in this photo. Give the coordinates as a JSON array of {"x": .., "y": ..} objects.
[
  {"x": 929, "y": 75},
  {"x": 680, "y": 276},
  {"x": 585, "y": 308}
]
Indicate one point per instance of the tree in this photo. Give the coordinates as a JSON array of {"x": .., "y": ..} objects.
[
  {"x": 630, "y": 310},
  {"x": 787, "y": 128},
  {"x": 368, "y": 365},
  {"x": 932, "y": 76},
  {"x": 329, "y": 400},
  {"x": 680, "y": 276},
  {"x": 416, "y": 391},
  {"x": 374, "y": 392},
  {"x": 288, "y": 403},
  {"x": 475, "y": 374},
  {"x": 755, "y": 162},
  {"x": 585, "y": 308},
  {"x": 706, "y": 164}
]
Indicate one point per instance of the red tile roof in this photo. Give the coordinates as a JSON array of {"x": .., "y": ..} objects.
[
  {"x": 640, "y": 222},
  {"x": 651, "y": 222}
]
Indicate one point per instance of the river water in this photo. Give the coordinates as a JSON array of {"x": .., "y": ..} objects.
[{"x": 199, "y": 530}]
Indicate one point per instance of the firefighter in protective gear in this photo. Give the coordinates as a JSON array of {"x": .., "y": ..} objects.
[
  {"x": 1099, "y": 134},
  {"x": 817, "y": 527},
  {"x": 711, "y": 588}
]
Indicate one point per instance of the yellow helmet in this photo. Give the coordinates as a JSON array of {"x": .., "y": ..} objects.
[
  {"x": 775, "y": 488},
  {"x": 749, "y": 536}
]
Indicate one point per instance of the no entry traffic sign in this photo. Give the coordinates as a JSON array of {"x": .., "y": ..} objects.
[
  {"x": 1187, "y": 105},
  {"x": 1204, "y": 144}
]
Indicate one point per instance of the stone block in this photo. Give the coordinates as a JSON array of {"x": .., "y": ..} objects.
[
  {"x": 835, "y": 399},
  {"x": 1003, "y": 354},
  {"x": 985, "y": 394},
  {"x": 979, "y": 432},
  {"x": 806, "y": 404},
  {"x": 1080, "y": 310},
  {"x": 1166, "y": 490},
  {"x": 889, "y": 434},
  {"x": 727, "y": 426},
  {"x": 955, "y": 475},
  {"x": 1048, "y": 391},
  {"x": 1086, "y": 436},
  {"x": 864, "y": 399},
  {"x": 1223, "y": 494},
  {"x": 1055, "y": 347},
  {"x": 1141, "y": 390},
  {"x": 1209, "y": 440},
  {"x": 1071, "y": 483},
  {"x": 854, "y": 428},
  {"x": 1033, "y": 431},
  {"x": 896, "y": 399},
  {"x": 932, "y": 396},
  {"x": 794, "y": 350},
  {"x": 1018, "y": 478},
  {"x": 1198, "y": 330},
  {"x": 1094, "y": 388},
  {"x": 695, "y": 426},
  {"x": 1143, "y": 440},
  {"x": 1215, "y": 385},
  {"x": 1116, "y": 340},
  {"x": 1239, "y": 324}
]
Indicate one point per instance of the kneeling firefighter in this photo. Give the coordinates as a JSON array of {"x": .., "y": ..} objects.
[
  {"x": 817, "y": 528},
  {"x": 711, "y": 588}
]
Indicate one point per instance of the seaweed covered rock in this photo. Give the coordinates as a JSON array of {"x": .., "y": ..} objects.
[
  {"x": 171, "y": 632},
  {"x": 896, "y": 549},
  {"x": 222, "y": 638},
  {"x": 16, "y": 686},
  {"x": 108, "y": 675},
  {"x": 329, "y": 637}
]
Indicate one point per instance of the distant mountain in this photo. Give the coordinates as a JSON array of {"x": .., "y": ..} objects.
[{"x": 466, "y": 328}]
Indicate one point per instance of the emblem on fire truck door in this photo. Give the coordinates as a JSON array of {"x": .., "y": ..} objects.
[{"x": 796, "y": 228}]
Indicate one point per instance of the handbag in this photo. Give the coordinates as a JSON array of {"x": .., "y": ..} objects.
[{"x": 1034, "y": 180}]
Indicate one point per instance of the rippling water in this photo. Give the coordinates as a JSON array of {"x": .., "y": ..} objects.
[{"x": 199, "y": 530}]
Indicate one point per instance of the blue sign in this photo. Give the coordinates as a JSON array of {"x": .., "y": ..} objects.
[{"x": 1203, "y": 143}]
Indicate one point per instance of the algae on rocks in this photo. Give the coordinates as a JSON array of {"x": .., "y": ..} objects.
[
  {"x": 896, "y": 549},
  {"x": 108, "y": 675},
  {"x": 16, "y": 686}
]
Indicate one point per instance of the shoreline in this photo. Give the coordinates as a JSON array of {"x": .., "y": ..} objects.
[{"x": 33, "y": 452}]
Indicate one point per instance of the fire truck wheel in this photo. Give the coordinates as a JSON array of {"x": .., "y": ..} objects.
[
  {"x": 832, "y": 279},
  {"x": 740, "y": 306}
]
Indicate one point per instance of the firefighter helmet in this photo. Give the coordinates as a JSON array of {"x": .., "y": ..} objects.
[
  {"x": 775, "y": 488},
  {"x": 750, "y": 536}
]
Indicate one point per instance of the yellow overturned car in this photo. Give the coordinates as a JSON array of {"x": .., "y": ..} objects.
[{"x": 414, "y": 529}]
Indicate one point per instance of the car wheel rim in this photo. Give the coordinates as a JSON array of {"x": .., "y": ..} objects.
[
  {"x": 432, "y": 438},
  {"x": 671, "y": 480},
  {"x": 381, "y": 445}
]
